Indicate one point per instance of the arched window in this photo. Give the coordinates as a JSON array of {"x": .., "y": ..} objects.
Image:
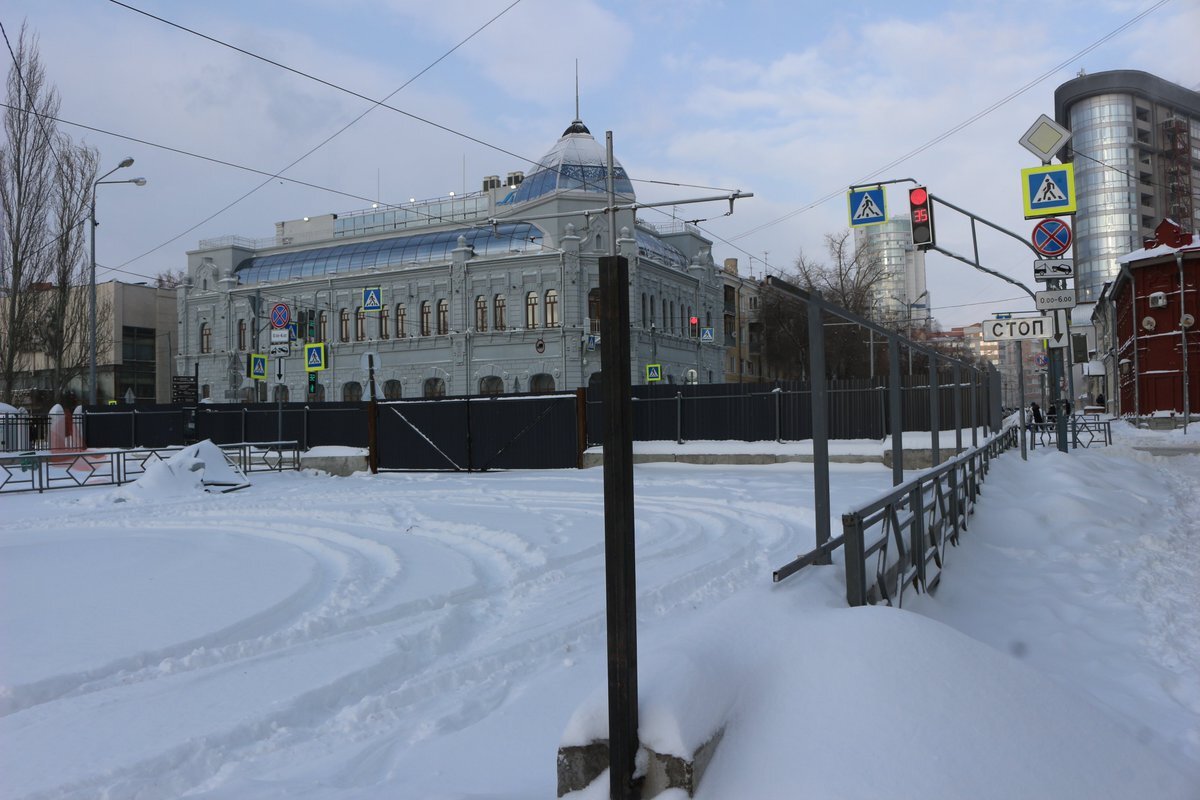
[
  {"x": 498, "y": 308},
  {"x": 383, "y": 323},
  {"x": 651, "y": 311},
  {"x": 443, "y": 319},
  {"x": 241, "y": 334},
  {"x": 434, "y": 387},
  {"x": 352, "y": 392},
  {"x": 205, "y": 392},
  {"x": 595, "y": 381},
  {"x": 594, "y": 309},
  {"x": 425, "y": 318},
  {"x": 360, "y": 324},
  {"x": 531, "y": 303},
  {"x": 645, "y": 316},
  {"x": 205, "y": 338},
  {"x": 481, "y": 313},
  {"x": 401, "y": 321},
  {"x": 344, "y": 326},
  {"x": 542, "y": 382},
  {"x": 491, "y": 384},
  {"x": 666, "y": 317},
  {"x": 393, "y": 390},
  {"x": 551, "y": 308},
  {"x": 323, "y": 332},
  {"x": 280, "y": 395}
]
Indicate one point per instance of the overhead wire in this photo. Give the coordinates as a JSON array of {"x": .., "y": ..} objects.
[{"x": 331, "y": 137}]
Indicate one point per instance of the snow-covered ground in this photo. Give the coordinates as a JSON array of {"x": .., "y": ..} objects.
[{"x": 440, "y": 635}]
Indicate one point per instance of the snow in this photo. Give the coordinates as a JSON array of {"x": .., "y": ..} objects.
[{"x": 441, "y": 635}]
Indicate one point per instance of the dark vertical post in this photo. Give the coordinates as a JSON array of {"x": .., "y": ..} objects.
[
  {"x": 620, "y": 583},
  {"x": 1021, "y": 392},
  {"x": 679, "y": 417},
  {"x": 820, "y": 423},
  {"x": 372, "y": 420},
  {"x": 975, "y": 405},
  {"x": 956, "y": 376},
  {"x": 894, "y": 409},
  {"x": 581, "y": 440},
  {"x": 935, "y": 411}
]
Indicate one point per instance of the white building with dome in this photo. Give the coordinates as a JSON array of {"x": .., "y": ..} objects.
[{"x": 491, "y": 292}]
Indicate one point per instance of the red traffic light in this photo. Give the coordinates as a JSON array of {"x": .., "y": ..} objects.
[
  {"x": 920, "y": 209},
  {"x": 694, "y": 320}
]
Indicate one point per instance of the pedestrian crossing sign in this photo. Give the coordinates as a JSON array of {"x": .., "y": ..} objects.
[
  {"x": 1048, "y": 191},
  {"x": 708, "y": 334},
  {"x": 653, "y": 373},
  {"x": 372, "y": 299},
  {"x": 314, "y": 357},
  {"x": 258, "y": 366},
  {"x": 868, "y": 206}
]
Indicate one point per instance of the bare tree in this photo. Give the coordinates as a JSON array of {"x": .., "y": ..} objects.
[
  {"x": 26, "y": 192},
  {"x": 170, "y": 279},
  {"x": 62, "y": 336},
  {"x": 849, "y": 280}
]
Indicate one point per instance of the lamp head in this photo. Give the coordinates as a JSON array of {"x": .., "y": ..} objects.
[
  {"x": 126, "y": 162},
  {"x": 139, "y": 181}
]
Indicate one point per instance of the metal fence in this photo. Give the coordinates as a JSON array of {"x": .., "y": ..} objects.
[
  {"x": 21, "y": 432},
  {"x": 38, "y": 472},
  {"x": 899, "y": 540},
  {"x": 1083, "y": 430},
  {"x": 782, "y": 411}
]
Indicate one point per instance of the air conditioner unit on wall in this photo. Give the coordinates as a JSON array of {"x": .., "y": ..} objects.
[{"x": 1158, "y": 299}]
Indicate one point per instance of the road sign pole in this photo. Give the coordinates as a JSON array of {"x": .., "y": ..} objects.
[{"x": 1021, "y": 391}]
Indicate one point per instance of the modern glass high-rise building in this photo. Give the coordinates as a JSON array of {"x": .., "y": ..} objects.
[
  {"x": 1136, "y": 149},
  {"x": 900, "y": 294}
]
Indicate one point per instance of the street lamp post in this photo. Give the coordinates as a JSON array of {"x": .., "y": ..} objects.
[{"x": 126, "y": 162}]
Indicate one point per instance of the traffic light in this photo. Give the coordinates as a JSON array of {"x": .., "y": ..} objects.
[
  {"x": 312, "y": 383},
  {"x": 312, "y": 325},
  {"x": 920, "y": 209},
  {"x": 695, "y": 326}
]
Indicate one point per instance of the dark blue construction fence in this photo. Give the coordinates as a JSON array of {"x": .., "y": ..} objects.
[
  {"x": 548, "y": 431},
  {"x": 451, "y": 433},
  {"x": 782, "y": 410}
]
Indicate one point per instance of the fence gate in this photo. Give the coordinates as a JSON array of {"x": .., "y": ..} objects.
[{"x": 479, "y": 433}]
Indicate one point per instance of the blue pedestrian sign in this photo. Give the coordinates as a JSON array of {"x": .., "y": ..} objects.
[
  {"x": 372, "y": 299},
  {"x": 867, "y": 206},
  {"x": 708, "y": 335},
  {"x": 653, "y": 373},
  {"x": 1048, "y": 190},
  {"x": 314, "y": 357},
  {"x": 258, "y": 366},
  {"x": 593, "y": 340}
]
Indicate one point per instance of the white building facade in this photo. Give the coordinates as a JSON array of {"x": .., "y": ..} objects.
[{"x": 492, "y": 292}]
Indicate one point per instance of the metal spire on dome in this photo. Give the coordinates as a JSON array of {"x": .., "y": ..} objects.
[{"x": 577, "y": 125}]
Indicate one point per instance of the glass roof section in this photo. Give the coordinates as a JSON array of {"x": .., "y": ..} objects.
[
  {"x": 651, "y": 247},
  {"x": 422, "y": 248},
  {"x": 577, "y": 162}
]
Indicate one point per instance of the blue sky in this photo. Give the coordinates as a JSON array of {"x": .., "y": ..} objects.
[{"x": 791, "y": 101}]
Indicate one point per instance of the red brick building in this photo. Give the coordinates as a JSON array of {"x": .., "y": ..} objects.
[{"x": 1155, "y": 306}]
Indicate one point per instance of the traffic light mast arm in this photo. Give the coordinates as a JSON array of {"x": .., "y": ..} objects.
[
  {"x": 881, "y": 183},
  {"x": 982, "y": 268},
  {"x": 992, "y": 225}
]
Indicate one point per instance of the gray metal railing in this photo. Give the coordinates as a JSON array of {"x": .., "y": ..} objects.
[
  {"x": 40, "y": 471},
  {"x": 1084, "y": 430},
  {"x": 910, "y": 526}
]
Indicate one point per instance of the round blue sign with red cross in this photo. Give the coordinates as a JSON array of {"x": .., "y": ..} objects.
[
  {"x": 1051, "y": 237},
  {"x": 281, "y": 315}
]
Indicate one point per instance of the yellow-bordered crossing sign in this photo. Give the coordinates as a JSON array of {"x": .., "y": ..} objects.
[{"x": 314, "y": 357}]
